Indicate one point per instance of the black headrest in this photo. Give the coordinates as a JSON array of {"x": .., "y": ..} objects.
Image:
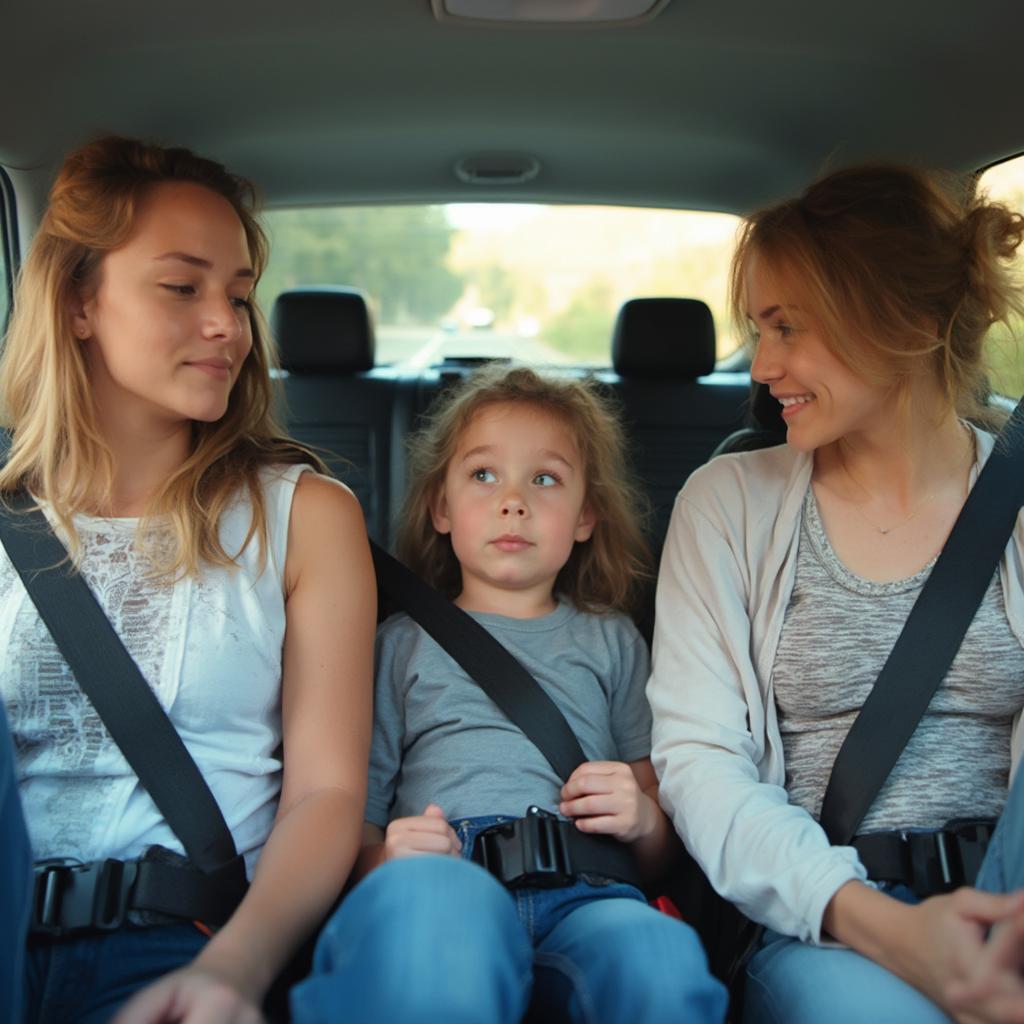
[
  {"x": 323, "y": 329},
  {"x": 765, "y": 411},
  {"x": 664, "y": 338}
]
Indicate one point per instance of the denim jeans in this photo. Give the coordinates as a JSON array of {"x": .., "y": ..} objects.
[
  {"x": 792, "y": 982},
  {"x": 15, "y": 882},
  {"x": 428, "y": 938},
  {"x": 85, "y": 979}
]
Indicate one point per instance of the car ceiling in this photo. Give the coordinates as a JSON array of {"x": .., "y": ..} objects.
[{"x": 711, "y": 104}]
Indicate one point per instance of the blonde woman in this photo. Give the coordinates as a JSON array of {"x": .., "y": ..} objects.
[
  {"x": 135, "y": 382},
  {"x": 787, "y": 576}
]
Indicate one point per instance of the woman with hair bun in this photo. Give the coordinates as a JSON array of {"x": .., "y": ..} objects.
[
  {"x": 136, "y": 385},
  {"x": 787, "y": 576}
]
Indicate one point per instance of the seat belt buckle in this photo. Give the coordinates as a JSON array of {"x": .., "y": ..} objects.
[
  {"x": 951, "y": 857},
  {"x": 971, "y": 837},
  {"x": 546, "y": 857},
  {"x": 948, "y": 854},
  {"x": 69, "y": 898},
  {"x": 528, "y": 851}
]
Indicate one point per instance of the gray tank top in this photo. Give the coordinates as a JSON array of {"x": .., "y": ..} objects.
[{"x": 838, "y": 630}]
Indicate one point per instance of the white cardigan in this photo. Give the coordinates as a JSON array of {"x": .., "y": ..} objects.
[{"x": 726, "y": 576}]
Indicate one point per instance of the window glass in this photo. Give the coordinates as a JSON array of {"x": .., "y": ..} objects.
[
  {"x": 541, "y": 284},
  {"x": 1005, "y": 183}
]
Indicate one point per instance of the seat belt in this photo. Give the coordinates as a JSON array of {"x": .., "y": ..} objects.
[
  {"x": 538, "y": 848},
  {"x": 930, "y": 638},
  {"x": 485, "y": 660},
  {"x": 111, "y": 680}
]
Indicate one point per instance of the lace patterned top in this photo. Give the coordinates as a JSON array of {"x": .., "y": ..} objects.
[{"x": 211, "y": 650}]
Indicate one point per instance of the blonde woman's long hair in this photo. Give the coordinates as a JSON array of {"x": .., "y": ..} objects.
[
  {"x": 900, "y": 268},
  {"x": 604, "y": 573},
  {"x": 57, "y": 450}
]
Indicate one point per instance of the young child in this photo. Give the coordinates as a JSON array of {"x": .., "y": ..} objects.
[{"x": 520, "y": 512}]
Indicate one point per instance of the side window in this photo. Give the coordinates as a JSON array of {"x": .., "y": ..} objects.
[
  {"x": 1005, "y": 183},
  {"x": 8, "y": 248}
]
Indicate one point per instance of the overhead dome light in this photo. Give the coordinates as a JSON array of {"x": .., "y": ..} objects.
[
  {"x": 548, "y": 12},
  {"x": 497, "y": 169}
]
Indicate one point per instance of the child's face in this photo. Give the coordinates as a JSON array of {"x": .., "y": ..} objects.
[{"x": 513, "y": 502}]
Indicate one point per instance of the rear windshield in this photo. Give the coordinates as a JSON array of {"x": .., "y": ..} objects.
[{"x": 538, "y": 283}]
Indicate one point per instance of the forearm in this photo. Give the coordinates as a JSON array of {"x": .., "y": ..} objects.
[
  {"x": 371, "y": 855},
  {"x": 657, "y": 850},
  {"x": 300, "y": 874},
  {"x": 876, "y": 926}
]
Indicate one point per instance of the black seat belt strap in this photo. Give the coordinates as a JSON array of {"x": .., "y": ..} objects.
[
  {"x": 485, "y": 660},
  {"x": 113, "y": 683},
  {"x": 930, "y": 637}
]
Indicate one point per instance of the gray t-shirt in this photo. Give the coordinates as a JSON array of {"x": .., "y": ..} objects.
[
  {"x": 438, "y": 738},
  {"x": 838, "y": 631}
]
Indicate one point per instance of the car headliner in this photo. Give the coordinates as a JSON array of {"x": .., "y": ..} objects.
[{"x": 709, "y": 105}]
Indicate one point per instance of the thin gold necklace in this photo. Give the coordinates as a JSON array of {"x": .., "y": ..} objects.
[{"x": 883, "y": 530}]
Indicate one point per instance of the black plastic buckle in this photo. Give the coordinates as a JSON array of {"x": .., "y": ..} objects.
[
  {"x": 72, "y": 898},
  {"x": 528, "y": 851},
  {"x": 949, "y": 858},
  {"x": 970, "y": 837},
  {"x": 544, "y": 851}
]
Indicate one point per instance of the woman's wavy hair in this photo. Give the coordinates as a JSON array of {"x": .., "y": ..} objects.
[
  {"x": 57, "y": 450},
  {"x": 603, "y": 573},
  {"x": 896, "y": 265}
]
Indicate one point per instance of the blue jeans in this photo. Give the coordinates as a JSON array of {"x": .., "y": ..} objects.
[
  {"x": 427, "y": 939},
  {"x": 85, "y": 979},
  {"x": 15, "y": 882},
  {"x": 791, "y": 982}
]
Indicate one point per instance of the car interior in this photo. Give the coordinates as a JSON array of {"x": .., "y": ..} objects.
[
  {"x": 402, "y": 101},
  {"x": 695, "y": 105}
]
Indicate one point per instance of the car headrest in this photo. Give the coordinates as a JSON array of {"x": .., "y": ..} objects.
[
  {"x": 664, "y": 338},
  {"x": 323, "y": 329},
  {"x": 765, "y": 411}
]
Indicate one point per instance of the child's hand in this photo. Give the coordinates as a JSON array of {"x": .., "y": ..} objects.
[
  {"x": 428, "y": 832},
  {"x": 604, "y": 797}
]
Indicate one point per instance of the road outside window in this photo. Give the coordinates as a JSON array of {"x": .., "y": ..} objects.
[{"x": 541, "y": 284}]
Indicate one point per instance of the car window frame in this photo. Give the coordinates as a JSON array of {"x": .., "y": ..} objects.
[{"x": 10, "y": 249}]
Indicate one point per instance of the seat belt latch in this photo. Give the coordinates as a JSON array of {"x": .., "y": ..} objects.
[{"x": 70, "y": 898}]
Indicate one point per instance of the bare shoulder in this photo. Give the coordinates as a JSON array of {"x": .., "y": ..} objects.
[
  {"x": 326, "y": 531},
  {"x": 320, "y": 500}
]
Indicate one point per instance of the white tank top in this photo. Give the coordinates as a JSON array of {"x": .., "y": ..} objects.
[{"x": 210, "y": 648}]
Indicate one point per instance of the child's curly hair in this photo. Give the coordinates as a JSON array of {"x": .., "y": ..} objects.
[{"x": 604, "y": 573}]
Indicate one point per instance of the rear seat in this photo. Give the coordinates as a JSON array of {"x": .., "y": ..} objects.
[
  {"x": 335, "y": 399},
  {"x": 767, "y": 427},
  {"x": 675, "y": 407}
]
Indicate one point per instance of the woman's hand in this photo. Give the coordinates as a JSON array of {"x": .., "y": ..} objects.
[
  {"x": 192, "y": 995},
  {"x": 428, "y": 832},
  {"x": 605, "y": 797},
  {"x": 939, "y": 946},
  {"x": 949, "y": 933},
  {"x": 993, "y": 990}
]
